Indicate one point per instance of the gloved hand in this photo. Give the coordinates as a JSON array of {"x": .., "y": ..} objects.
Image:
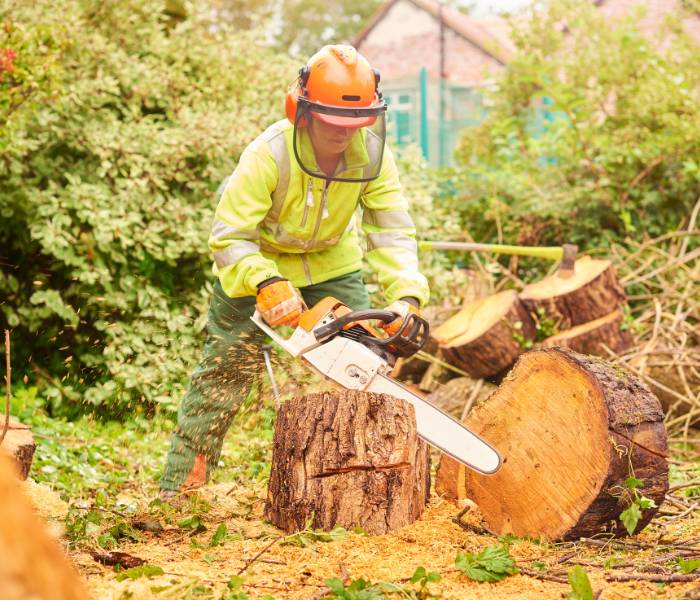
[
  {"x": 403, "y": 308},
  {"x": 279, "y": 302}
]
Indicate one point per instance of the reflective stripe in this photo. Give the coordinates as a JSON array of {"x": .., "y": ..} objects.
[
  {"x": 222, "y": 188},
  {"x": 278, "y": 148},
  {"x": 234, "y": 253},
  {"x": 388, "y": 219},
  {"x": 391, "y": 240},
  {"x": 221, "y": 230},
  {"x": 375, "y": 152}
]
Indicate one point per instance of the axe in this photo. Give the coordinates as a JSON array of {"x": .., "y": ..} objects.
[{"x": 566, "y": 254}]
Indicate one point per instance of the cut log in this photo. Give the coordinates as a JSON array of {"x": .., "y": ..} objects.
[
  {"x": 486, "y": 336},
  {"x": 32, "y": 564},
  {"x": 595, "y": 337},
  {"x": 590, "y": 293},
  {"x": 571, "y": 430},
  {"x": 349, "y": 459},
  {"x": 19, "y": 444}
]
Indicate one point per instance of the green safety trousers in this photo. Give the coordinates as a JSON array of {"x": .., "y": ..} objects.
[{"x": 228, "y": 369}]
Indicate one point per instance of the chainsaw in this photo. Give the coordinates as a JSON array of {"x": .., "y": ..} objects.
[{"x": 342, "y": 345}]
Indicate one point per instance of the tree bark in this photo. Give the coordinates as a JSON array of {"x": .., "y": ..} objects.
[
  {"x": 349, "y": 459},
  {"x": 571, "y": 430},
  {"x": 486, "y": 336},
  {"x": 594, "y": 337},
  {"x": 590, "y": 293},
  {"x": 19, "y": 444}
]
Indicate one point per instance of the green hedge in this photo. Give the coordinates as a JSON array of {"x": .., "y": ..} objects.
[
  {"x": 119, "y": 124},
  {"x": 592, "y": 132}
]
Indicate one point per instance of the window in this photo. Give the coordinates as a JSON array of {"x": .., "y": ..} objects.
[{"x": 401, "y": 116}]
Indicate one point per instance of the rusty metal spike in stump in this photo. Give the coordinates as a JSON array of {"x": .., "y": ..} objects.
[
  {"x": 486, "y": 336},
  {"x": 347, "y": 459},
  {"x": 590, "y": 293},
  {"x": 571, "y": 430}
]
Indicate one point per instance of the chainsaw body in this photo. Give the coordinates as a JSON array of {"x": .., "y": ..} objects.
[{"x": 342, "y": 345}]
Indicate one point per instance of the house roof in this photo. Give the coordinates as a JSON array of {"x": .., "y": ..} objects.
[{"x": 489, "y": 35}]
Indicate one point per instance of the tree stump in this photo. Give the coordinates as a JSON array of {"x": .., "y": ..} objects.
[
  {"x": 347, "y": 459},
  {"x": 32, "y": 564},
  {"x": 594, "y": 337},
  {"x": 590, "y": 293},
  {"x": 486, "y": 336},
  {"x": 571, "y": 430},
  {"x": 19, "y": 444}
]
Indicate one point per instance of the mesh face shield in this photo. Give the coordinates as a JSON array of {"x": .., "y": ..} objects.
[{"x": 356, "y": 135}]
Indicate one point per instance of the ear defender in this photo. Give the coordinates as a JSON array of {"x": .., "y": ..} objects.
[{"x": 297, "y": 88}]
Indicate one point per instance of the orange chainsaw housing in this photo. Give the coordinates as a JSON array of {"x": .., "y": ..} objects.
[{"x": 310, "y": 318}]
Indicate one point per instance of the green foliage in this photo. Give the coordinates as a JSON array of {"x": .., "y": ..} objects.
[
  {"x": 299, "y": 27},
  {"x": 631, "y": 516},
  {"x": 361, "y": 589},
  {"x": 688, "y": 566},
  {"x": 309, "y": 536},
  {"x": 491, "y": 564},
  {"x": 141, "y": 571},
  {"x": 120, "y": 126},
  {"x": 591, "y": 133},
  {"x": 580, "y": 584}
]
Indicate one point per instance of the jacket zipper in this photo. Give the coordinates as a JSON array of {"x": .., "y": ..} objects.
[
  {"x": 308, "y": 203},
  {"x": 322, "y": 214}
]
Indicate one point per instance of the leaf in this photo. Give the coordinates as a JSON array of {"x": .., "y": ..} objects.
[
  {"x": 630, "y": 517},
  {"x": 219, "y": 536},
  {"x": 580, "y": 584},
  {"x": 193, "y": 522},
  {"x": 491, "y": 564},
  {"x": 688, "y": 566},
  {"x": 633, "y": 483},
  {"x": 138, "y": 572}
]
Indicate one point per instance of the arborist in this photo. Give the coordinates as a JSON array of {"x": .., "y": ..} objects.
[{"x": 284, "y": 237}]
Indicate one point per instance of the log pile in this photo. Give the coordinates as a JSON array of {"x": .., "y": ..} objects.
[
  {"x": 581, "y": 311},
  {"x": 349, "y": 459},
  {"x": 571, "y": 430}
]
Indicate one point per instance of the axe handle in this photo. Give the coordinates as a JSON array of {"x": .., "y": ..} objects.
[{"x": 548, "y": 252}]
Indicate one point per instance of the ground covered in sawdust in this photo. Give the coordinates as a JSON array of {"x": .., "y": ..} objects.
[{"x": 192, "y": 568}]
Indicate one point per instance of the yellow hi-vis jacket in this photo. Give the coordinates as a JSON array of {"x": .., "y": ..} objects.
[{"x": 274, "y": 220}]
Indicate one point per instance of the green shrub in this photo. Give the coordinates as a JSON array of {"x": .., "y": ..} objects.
[
  {"x": 592, "y": 134},
  {"x": 107, "y": 178}
]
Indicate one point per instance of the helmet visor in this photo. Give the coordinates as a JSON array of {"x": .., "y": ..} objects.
[{"x": 355, "y": 136}]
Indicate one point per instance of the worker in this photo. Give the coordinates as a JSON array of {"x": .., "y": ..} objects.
[{"x": 284, "y": 237}]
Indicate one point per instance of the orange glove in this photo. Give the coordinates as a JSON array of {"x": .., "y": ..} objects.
[
  {"x": 403, "y": 308},
  {"x": 279, "y": 302}
]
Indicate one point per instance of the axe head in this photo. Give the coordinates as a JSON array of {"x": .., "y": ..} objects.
[{"x": 568, "y": 260}]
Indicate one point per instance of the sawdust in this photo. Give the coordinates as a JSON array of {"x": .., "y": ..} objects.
[
  {"x": 45, "y": 500},
  {"x": 286, "y": 571}
]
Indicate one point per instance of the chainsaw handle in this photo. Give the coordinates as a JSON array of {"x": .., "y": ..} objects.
[
  {"x": 335, "y": 326},
  {"x": 403, "y": 343}
]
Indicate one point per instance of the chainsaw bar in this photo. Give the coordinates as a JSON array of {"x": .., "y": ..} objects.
[{"x": 348, "y": 363}]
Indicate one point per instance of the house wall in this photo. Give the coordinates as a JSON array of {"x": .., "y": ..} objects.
[{"x": 407, "y": 39}]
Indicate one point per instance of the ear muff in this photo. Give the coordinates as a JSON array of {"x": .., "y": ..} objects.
[{"x": 296, "y": 89}]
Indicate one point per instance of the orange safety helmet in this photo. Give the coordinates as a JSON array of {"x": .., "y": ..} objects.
[{"x": 337, "y": 78}]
